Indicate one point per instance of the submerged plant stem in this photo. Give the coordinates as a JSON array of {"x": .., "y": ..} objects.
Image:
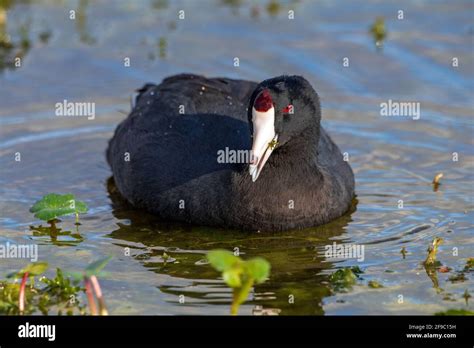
[
  {"x": 90, "y": 296},
  {"x": 98, "y": 294},
  {"x": 21, "y": 296}
]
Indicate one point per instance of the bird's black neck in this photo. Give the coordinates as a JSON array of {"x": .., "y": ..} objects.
[{"x": 300, "y": 150}]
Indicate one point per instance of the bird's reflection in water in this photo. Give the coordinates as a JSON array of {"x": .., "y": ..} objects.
[{"x": 296, "y": 284}]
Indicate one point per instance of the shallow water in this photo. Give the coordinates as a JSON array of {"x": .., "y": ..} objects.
[{"x": 394, "y": 158}]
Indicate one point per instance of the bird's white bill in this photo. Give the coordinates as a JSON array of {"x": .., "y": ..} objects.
[{"x": 263, "y": 136}]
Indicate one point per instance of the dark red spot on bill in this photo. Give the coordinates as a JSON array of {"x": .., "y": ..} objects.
[{"x": 263, "y": 102}]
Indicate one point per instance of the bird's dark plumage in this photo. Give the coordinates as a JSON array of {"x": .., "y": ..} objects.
[{"x": 164, "y": 156}]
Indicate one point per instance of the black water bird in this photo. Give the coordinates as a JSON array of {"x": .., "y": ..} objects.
[{"x": 179, "y": 154}]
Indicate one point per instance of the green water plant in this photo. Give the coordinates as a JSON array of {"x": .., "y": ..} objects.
[
  {"x": 432, "y": 265},
  {"x": 58, "y": 292},
  {"x": 403, "y": 252},
  {"x": 162, "y": 46},
  {"x": 345, "y": 278},
  {"x": 460, "y": 275},
  {"x": 466, "y": 296},
  {"x": 51, "y": 206},
  {"x": 378, "y": 31},
  {"x": 31, "y": 270},
  {"x": 432, "y": 251},
  {"x": 436, "y": 181},
  {"x": 273, "y": 7},
  {"x": 57, "y": 235},
  {"x": 469, "y": 264},
  {"x": 62, "y": 289},
  {"x": 92, "y": 286},
  {"x": 374, "y": 284},
  {"x": 238, "y": 274}
]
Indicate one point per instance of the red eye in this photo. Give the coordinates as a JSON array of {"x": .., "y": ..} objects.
[{"x": 288, "y": 109}]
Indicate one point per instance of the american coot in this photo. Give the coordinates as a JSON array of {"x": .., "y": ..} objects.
[{"x": 184, "y": 154}]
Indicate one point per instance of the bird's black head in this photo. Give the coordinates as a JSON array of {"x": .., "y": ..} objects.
[{"x": 281, "y": 109}]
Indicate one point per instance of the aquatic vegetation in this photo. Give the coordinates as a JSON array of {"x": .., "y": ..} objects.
[
  {"x": 459, "y": 277},
  {"x": 455, "y": 312},
  {"x": 9, "y": 294},
  {"x": 378, "y": 31},
  {"x": 31, "y": 270},
  {"x": 469, "y": 264},
  {"x": 166, "y": 258},
  {"x": 58, "y": 293},
  {"x": 92, "y": 286},
  {"x": 431, "y": 265},
  {"x": 403, "y": 252},
  {"x": 12, "y": 50},
  {"x": 297, "y": 267},
  {"x": 162, "y": 46},
  {"x": 57, "y": 235},
  {"x": 437, "y": 178},
  {"x": 273, "y": 7},
  {"x": 436, "y": 181},
  {"x": 466, "y": 296},
  {"x": 54, "y": 205},
  {"x": 238, "y": 274},
  {"x": 345, "y": 278},
  {"x": 432, "y": 251},
  {"x": 431, "y": 272},
  {"x": 375, "y": 284},
  {"x": 82, "y": 24}
]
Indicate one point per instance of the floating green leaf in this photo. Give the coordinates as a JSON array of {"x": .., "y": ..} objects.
[
  {"x": 53, "y": 205},
  {"x": 222, "y": 260}
]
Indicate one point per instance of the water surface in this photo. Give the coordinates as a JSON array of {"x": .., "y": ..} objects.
[{"x": 394, "y": 158}]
